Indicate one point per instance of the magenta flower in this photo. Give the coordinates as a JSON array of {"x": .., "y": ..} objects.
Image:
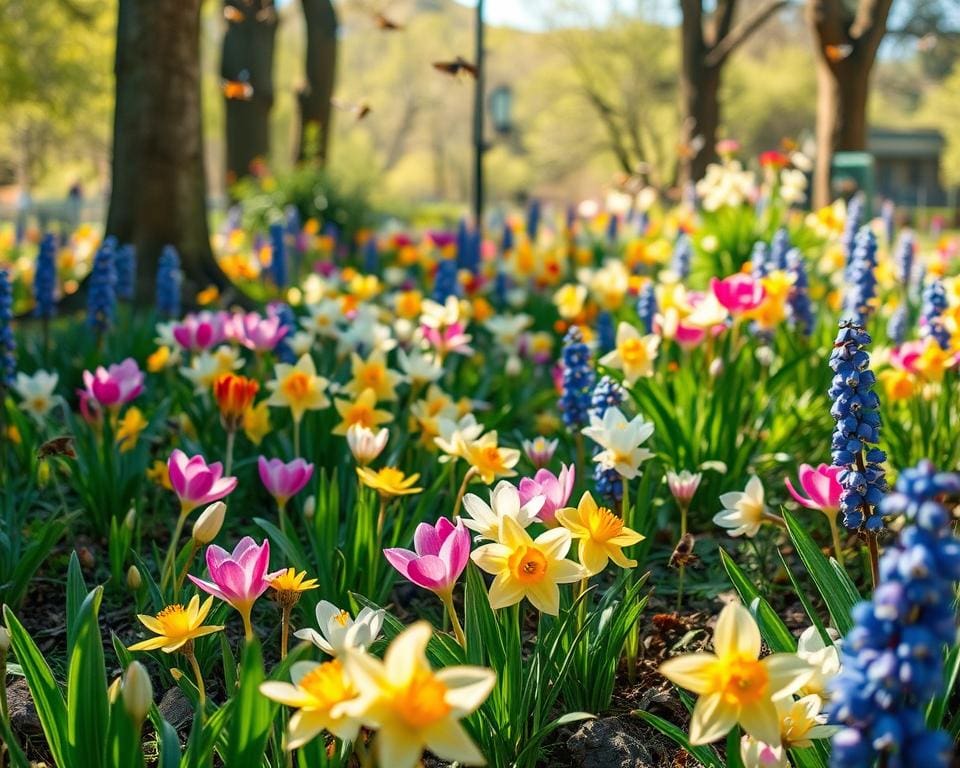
[
  {"x": 821, "y": 486},
  {"x": 738, "y": 293},
  {"x": 256, "y": 332},
  {"x": 238, "y": 577},
  {"x": 284, "y": 481},
  {"x": 441, "y": 555},
  {"x": 203, "y": 330},
  {"x": 555, "y": 489},
  {"x": 197, "y": 483},
  {"x": 114, "y": 386}
]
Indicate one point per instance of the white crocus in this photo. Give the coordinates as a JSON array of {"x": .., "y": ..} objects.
[
  {"x": 486, "y": 519},
  {"x": 418, "y": 368},
  {"x": 621, "y": 441},
  {"x": 823, "y": 657},
  {"x": 37, "y": 392},
  {"x": 743, "y": 511},
  {"x": 338, "y": 632}
]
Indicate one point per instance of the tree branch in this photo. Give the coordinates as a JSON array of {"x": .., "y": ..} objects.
[
  {"x": 870, "y": 23},
  {"x": 829, "y": 21},
  {"x": 739, "y": 35}
]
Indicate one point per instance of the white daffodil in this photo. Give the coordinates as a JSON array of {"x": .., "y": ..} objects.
[
  {"x": 487, "y": 519},
  {"x": 621, "y": 440},
  {"x": 324, "y": 318},
  {"x": 338, "y": 632},
  {"x": 37, "y": 392},
  {"x": 418, "y": 368},
  {"x": 456, "y": 437},
  {"x": 743, "y": 511},
  {"x": 823, "y": 657},
  {"x": 206, "y": 367}
]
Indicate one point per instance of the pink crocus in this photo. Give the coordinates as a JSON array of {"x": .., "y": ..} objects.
[
  {"x": 238, "y": 577},
  {"x": 738, "y": 293},
  {"x": 906, "y": 355},
  {"x": 451, "y": 339},
  {"x": 197, "y": 483},
  {"x": 202, "y": 330},
  {"x": 282, "y": 480},
  {"x": 256, "y": 332},
  {"x": 555, "y": 489},
  {"x": 822, "y": 487},
  {"x": 114, "y": 386},
  {"x": 441, "y": 554}
]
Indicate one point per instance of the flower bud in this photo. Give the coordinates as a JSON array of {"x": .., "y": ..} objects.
[
  {"x": 4, "y": 640},
  {"x": 137, "y": 692},
  {"x": 514, "y": 366},
  {"x": 209, "y": 523},
  {"x": 131, "y": 519},
  {"x": 134, "y": 580},
  {"x": 716, "y": 367},
  {"x": 764, "y": 356},
  {"x": 310, "y": 507},
  {"x": 43, "y": 473}
]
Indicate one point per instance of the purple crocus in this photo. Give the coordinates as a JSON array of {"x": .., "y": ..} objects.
[
  {"x": 442, "y": 551},
  {"x": 284, "y": 480},
  {"x": 555, "y": 489}
]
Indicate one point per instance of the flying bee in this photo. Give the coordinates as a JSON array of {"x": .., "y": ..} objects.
[{"x": 683, "y": 554}]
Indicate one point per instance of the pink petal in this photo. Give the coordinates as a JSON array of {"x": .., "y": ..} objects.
[
  {"x": 400, "y": 559},
  {"x": 428, "y": 572},
  {"x": 425, "y": 540}
]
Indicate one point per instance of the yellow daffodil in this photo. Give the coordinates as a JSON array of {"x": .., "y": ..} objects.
[
  {"x": 733, "y": 683},
  {"x": 934, "y": 361},
  {"x": 897, "y": 384},
  {"x": 414, "y": 708},
  {"x": 159, "y": 474},
  {"x": 256, "y": 422},
  {"x": 129, "y": 429},
  {"x": 159, "y": 359},
  {"x": 569, "y": 300},
  {"x": 322, "y": 695},
  {"x": 601, "y": 533},
  {"x": 389, "y": 481},
  {"x": 175, "y": 626},
  {"x": 362, "y": 412},
  {"x": 524, "y": 567},
  {"x": 374, "y": 374},
  {"x": 491, "y": 460},
  {"x": 634, "y": 353},
  {"x": 298, "y": 388},
  {"x": 289, "y": 584}
]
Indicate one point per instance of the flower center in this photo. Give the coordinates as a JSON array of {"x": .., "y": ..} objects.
[
  {"x": 423, "y": 701},
  {"x": 342, "y": 618},
  {"x": 175, "y": 621},
  {"x": 604, "y": 525},
  {"x": 372, "y": 375},
  {"x": 741, "y": 680},
  {"x": 528, "y": 565},
  {"x": 326, "y": 685},
  {"x": 297, "y": 385},
  {"x": 633, "y": 352},
  {"x": 391, "y": 477}
]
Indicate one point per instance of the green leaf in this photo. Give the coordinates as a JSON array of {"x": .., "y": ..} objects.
[
  {"x": 7, "y": 739},
  {"x": 252, "y": 714},
  {"x": 774, "y": 631},
  {"x": 87, "y": 705},
  {"x": 76, "y": 594},
  {"x": 49, "y": 701},
  {"x": 831, "y": 581}
]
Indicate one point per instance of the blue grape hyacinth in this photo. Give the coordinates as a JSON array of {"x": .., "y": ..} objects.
[
  {"x": 102, "y": 295},
  {"x": 779, "y": 248},
  {"x": 856, "y": 410},
  {"x": 931, "y": 321},
  {"x": 647, "y": 306},
  {"x": 169, "y": 283},
  {"x": 892, "y": 660},
  {"x": 852, "y": 225},
  {"x": 8, "y": 346},
  {"x": 288, "y": 320},
  {"x": 606, "y": 332},
  {"x": 278, "y": 255},
  {"x": 445, "y": 282},
  {"x": 800, "y": 306},
  {"x": 125, "y": 262},
  {"x": 578, "y": 380},
  {"x": 45, "y": 278},
  {"x": 606, "y": 394},
  {"x": 682, "y": 257},
  {"x": 861, "y": 278},
  {"x": 760, "y": 260}
]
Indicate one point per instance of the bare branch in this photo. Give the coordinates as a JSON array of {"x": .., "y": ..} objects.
[
  {"x": 830, "y": 21},
  {"x": 870, "y": 24},
  {"x": 736, "y": 37}
]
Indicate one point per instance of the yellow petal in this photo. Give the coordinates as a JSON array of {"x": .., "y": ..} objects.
[
  {"x": 691, "y": 671},
  {"x": 304, "y": 727},
  {"x": 593, "y": 556},
  {"x": 504, "y": 591},
  {"x": 491, "y": 558},
  {"x": 407, "y": 653},
  {"x": 736, "y": 633},
  {"x": 151, "y": 623},
  {"x": 398, "y": 747},
  {"x": 787, "y": 673},
  {"x": 467, "y": 687},
  {"x": 448, "y": 741},
  {"x": 285, "y": 693},
  {"x": 712, "y": 719},
  {"x": 555, "y": 543},
  {"x": 545, "y": 596},
  {"x": 149, "y": 645},
  {"x": 566, "y": 571},
  {"x": 760, "y": 720}
]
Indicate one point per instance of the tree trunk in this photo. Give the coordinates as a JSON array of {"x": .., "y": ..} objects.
[
  {"x": 247, "y": 69},
  {"x": 158, "y": 194},
  {"x": 700, "y": 91},
  {"x": 314, "y": 98}
]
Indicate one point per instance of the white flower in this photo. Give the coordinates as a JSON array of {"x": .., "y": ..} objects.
[
  {"x": 793, "y": 186},
  {"x": 756, "y": 754},
  {"x": 801, "y": 721},
  {"x": 338, "y": 632},
  {"x": 37, "y": 392},
  {"x": 823, "y": 657},
  {"x": 324, "y": 317},
  {"x": 434, "y": 315},
  {"x": 455, "y": 437},
  {"x": 743, "y": 510},
  {"x": 621, "y": 441},
  {"x": 206, "y": 366},
  {"x": 301, "y": 343},
  {"x": 506, "y": 329},
  {"x": 419, "y": 368},
  {"x": 485, "y": 519},
  {"x": 365, "y": 332},
  {"x": 365, "y": 445},
  {"x": 633, "y": 353},
  {"x": 725, "y": 185}
]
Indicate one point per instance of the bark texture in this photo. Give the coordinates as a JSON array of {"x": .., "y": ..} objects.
[{"x": 321, "y": 65}]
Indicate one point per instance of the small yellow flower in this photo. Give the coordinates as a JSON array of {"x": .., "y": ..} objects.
[
  {"x": 634, "y": 353},
  {"x": 129, "y": 429},
  {"x": 897, "y": 384},
  {"x": 569, "y": 300},
  {"x": 362, "y": 411},
  {"x": 298, "y": 387},
  {"x": 601, "y": 533},
  {"x": 13, "y": 434},
  {"x": 411, "y": 706},
  {"x": 528, "y": 568},
  {"x": 490, "y": 460},
  {"x": 289, "y": 584},
  {"x": 320, "y": 693},
  {"x": 373, "y": 373},
  {"x": 159, "y": 360},
  {"x": 175, "y": 626},
  {"x": 208, "y": 295},
  {"x": 934, "y": 361},
  {"x": 389, "y": 481},
  {"x": 158, "y": 473},
  {"x": 256, "y": 422},
  {"x": 734, "y": 684}
]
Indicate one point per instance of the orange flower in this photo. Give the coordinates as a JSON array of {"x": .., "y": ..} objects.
[{"x": 234, "y": 395}]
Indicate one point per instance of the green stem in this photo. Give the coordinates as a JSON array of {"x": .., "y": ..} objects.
[
  {"x": 192, "y": 658},
  {"x": 874, "y": 557},
  {"x": 228, "y": 461},
  {"x": 170, "y": 562},
  {"x": 4, "y": 717},
  {"x": 284, "y": 631},
  {"x": 186, "y": 566},
  {"x": 835, "y": 535},
  {"x": 451, "y": 611},
  {"x": 471, "y": 473},
  {"x": 296, "y": 438}
]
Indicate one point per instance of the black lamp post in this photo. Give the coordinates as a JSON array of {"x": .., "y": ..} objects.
[
  {"x": 501, "y": 108},
  {"x": 478, "y": 104}
]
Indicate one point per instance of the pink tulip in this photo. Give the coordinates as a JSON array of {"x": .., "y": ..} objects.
[
  {"x": 114, "y": 386},
  {"x": 906, "y": 355},
  {"x": 555, "y": 489},
  {"x": 284, "y": 481},
  {"x": 738, "y": 293},
  {"x": 822, "y": 487},
  {"x": 255, "y": 331},
  {"x": 203, "y": 330},
  {"x": 441, "y": 555},
  {"x": 197, "y": 483},
  {"x": 238, "y": 577}
]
